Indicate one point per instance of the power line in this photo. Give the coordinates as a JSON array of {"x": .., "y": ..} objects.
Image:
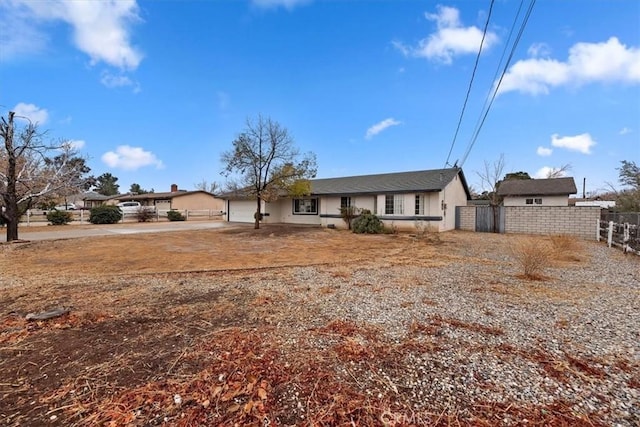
[
  {"x": 497, "y": 86},
  {"x": 473, "y": 75}
]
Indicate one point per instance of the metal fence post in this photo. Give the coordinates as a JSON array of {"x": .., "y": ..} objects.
[{"x": 610, "y": 234}]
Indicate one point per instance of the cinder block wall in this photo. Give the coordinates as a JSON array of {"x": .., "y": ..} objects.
[
  {"x": 467, "y": 218},
  {"x": 576, "y": 221}
]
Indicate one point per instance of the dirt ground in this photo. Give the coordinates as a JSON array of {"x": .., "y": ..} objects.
[{"x": 161, "y": 332}]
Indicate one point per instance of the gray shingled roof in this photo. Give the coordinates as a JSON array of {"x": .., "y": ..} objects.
[
  {"x": 400, "y": 182},
  {"x": 538, "y": 187}
]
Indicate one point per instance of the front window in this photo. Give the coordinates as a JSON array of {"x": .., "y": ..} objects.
[
  {"x": 305, "y": 206},
  {"x": 533, "y": 201},
  {"x": 345, "y": 202},
  {"x": 393, "y": 204}
]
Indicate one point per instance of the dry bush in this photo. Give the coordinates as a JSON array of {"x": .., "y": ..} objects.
[
  {"x": 565, "y": 247},
  {"x": 533, "y": 255}
]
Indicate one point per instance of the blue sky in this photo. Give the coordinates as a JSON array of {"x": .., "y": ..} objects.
[{"x": 154, "y": 91}]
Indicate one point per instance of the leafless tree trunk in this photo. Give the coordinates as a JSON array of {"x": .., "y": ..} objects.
[
  {"x": 268, "y": 163},
  {"x": 27, "y": 174},
  {"x": 559, "y": 172},
  {"x": 490, "y": 179}
]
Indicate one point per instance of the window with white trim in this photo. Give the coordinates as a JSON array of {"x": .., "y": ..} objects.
[
  {"x": 345, "y": 202},
  {"x": 394, "y": 204},
  {"x": 533, "y": 201},
  {"x": 305, "y": 206}
]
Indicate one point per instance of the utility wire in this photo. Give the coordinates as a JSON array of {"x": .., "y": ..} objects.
[
  {"x": 473, "y": 74},
  {"x": 499, "y": 67},
  {"x": 497, "y": 86}
]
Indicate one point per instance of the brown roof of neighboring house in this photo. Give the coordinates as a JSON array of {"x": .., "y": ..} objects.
[
  {"x": 538, "y": 187},
  {"x": 156, "y": 196}
]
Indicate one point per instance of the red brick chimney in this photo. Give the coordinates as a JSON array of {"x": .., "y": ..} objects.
[{"x": 174, "y": 188}]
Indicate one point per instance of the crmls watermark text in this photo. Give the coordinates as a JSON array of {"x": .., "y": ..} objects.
[{"x": 390, "y": 419}]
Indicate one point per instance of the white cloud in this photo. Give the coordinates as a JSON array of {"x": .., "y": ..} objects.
[
  {"x": 537, "y": 50},
  {"x": 130, "y": 158},
  {"x": 543, "y": 172},
  {"x": 287, "y": 4},
  {"x": 33, "y": 113},
  {"x": 581, "y": 143},
  {"x": 379, "y": 127},
  {"x": 547, "y": 171},
  {"x": 450, "y": 40},
  {"x": 118, "y": 80},
  {"x": 101, "y": 29},
  {"x": 610, "y": 61},
  {"x": 76, "y": 144},
  {"x": 625, "y": 131},
  {"x": 544, "y": 151},
  {"x": 18, "y": 34}
]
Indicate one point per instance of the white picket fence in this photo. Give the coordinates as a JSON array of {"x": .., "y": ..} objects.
[
  {"x": 39, "y": 217},
  {"x": 624, "y": 236}
]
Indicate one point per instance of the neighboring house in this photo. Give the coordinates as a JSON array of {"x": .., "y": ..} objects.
[
  {"x": 91, "y": 199},
  {"x": 537, "y": 192},
  {"x": 604, "y": 204},
  {"x": 175, "y": 199},
  {"x": 402, "y": 199}
]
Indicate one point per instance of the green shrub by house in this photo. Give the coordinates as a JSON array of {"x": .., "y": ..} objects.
[
  {"x": 175, "y": 216},
  {"x": 105, "y": 215},
  {"x": 56, "y": 217},
  {"x": 367, "y": 223}
]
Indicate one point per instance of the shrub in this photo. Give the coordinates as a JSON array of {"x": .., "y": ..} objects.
[
  {"x": 175, "y": 216},
  {"x": 56, "y": 217},
  {"x": 367, "y": 223},
  {"x": 105, "y": 215},
  {"x": 348, "y": 214},
  {"x": 533, "y": 255},
  {"x": 144, "y": 214}
]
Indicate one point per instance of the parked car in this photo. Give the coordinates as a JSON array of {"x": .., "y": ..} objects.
[
  {"x": 133, "y": 207},
  {"x": 66, "y": 207}
]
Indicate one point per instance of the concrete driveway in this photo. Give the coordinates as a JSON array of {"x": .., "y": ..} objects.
[{"x": 71, "y": 231}]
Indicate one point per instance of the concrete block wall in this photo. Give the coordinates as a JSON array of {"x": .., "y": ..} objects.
[
  {"x": 577, "y": 221},
  {"x": 467, "y": 218}
]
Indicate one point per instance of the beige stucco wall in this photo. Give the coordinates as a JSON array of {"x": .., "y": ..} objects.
[
  {"x": 453, "y": 195},
  {"x": 197, "y": 201},
  {"x": 284, "y": 209},
  {"x": 546, "y": 201}
]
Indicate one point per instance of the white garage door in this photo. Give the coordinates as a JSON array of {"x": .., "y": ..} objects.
[{"x": 242, "y": 210}]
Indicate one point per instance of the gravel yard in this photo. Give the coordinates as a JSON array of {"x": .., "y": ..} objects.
[{"x": 305, "y": 326}]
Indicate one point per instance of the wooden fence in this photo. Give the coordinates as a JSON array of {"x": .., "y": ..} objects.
[{"x": 623, "y": 235}]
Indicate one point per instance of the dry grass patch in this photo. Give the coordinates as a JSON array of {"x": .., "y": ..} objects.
[
  {"x": 533, "y": 255},
  {"x": 566, "y": 248}
]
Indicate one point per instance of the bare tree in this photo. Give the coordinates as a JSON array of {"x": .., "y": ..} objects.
[
  {"x": 268, "y": 163},
  {"x": 212, "y": 187},
  {"x": 28, "y": 174},
  {"x": 559, "y": 172},
  {"x": 490, "y": 181}
]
